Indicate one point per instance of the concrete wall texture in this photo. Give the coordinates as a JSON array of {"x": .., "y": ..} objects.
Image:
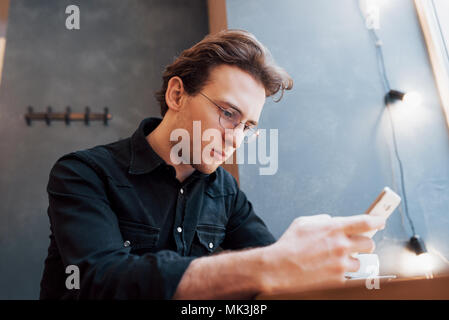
[
  {"x": 335, "y": 140},
  {"x": 116, "y": 59}
]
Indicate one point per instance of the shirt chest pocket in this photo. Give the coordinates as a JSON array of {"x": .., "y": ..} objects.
[
  {"x": 207, "y": 240},
  {"x": 140, "y": 238},
  {"x": 217, "y": 205}
]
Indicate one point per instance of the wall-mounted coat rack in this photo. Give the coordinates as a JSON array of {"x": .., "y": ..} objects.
[{"x": 67, "y": 116}]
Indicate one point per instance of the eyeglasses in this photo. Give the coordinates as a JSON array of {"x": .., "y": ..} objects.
[{"x": 230, "y": 118}]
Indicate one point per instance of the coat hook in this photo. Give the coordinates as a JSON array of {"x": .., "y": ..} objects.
[
  {"x": 86, "y": 116},
  {"x": 48, "y": 116},
  {"x": 105, "y": 116},
  {"x": 68, "y": 111},
  {"x": 68, "y": 116},
  {"x": 28, "y": 116}
]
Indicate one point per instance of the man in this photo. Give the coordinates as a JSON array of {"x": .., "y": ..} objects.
[{"x": 141, "y": 218}]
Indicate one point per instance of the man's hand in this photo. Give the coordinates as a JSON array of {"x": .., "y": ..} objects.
[{"x": 315, "y": 252}]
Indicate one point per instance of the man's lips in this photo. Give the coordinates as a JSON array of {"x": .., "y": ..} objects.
[{"x": 220, "y": 154}]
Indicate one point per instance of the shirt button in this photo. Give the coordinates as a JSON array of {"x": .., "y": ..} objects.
[
  {"x": 127, "y": 243},
  {"x": 179, "y": 229},
  {"x": 182, "y": 191},
  {"x": 211, "y": 245}
]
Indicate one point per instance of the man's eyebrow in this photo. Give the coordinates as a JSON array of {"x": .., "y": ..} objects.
[{"x": 253, "y": 122}]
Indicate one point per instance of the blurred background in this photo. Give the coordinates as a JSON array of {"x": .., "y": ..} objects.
[{"x": 335, "y": 151}]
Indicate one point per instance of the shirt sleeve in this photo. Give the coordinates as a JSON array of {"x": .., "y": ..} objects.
[
  {"x": 245, "y": 229},
  {"x": 88, "y": 236}
]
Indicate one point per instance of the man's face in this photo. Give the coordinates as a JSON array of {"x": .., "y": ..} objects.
[{"x": 228, "y": 87}]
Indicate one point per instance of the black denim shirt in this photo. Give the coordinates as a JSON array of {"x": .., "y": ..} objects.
[{"x": 119, "y": 214}]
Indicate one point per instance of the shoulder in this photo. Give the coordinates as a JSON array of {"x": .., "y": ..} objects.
[
  {"x": 103, "y": 160},
  {"x": 224, "y": 183}
]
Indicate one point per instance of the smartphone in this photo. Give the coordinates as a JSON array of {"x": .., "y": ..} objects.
[{"x": 384, "y": 205}]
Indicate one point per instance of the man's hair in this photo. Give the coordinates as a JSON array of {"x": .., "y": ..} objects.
[{"x": 231, "y": 47}]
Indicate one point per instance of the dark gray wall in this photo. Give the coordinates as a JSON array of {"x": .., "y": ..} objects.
[
  {"x": 334, "y": 134},
  {"x": 115, "y": 60}
]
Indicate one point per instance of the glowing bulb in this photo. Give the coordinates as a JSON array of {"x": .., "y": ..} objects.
[
  {"x": 425, "y": 262},
  {"x": 414, "y": 265},
  {"x": 412, "y": 98}
]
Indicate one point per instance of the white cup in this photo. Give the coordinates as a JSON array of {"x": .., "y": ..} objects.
[{"x": 369, "y": 266}]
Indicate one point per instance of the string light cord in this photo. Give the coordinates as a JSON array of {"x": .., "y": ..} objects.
[
  {"x": 387, "y": 88},
  {"x": 380, "y": 59},
  {"x": 401, "y": 170}
]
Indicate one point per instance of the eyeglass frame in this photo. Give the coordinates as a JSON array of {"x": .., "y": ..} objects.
[{"x": 254, "y": 132}]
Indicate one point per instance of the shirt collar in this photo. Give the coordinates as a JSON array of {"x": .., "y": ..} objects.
[{"x": 144, "y": 159}]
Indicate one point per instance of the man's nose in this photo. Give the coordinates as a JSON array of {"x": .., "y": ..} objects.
[{"x": 234, "y": 137}]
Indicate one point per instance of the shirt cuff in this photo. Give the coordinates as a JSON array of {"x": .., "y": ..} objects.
[{"x": 171, "y": 267}]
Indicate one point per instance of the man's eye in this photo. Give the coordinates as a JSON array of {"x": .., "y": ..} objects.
[{"x": 228, "y": 114}]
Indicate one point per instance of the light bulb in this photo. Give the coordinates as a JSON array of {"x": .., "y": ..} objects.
[
  {"x": 417, "y": 265},
  {"x": 425, "y": 262},
  {"x": 412, "y": 98}
]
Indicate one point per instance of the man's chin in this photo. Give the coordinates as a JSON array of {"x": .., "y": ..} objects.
[{"x": 206, "y": 168}]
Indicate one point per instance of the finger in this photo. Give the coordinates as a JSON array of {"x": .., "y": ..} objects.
[
  {"x": 361, "y": 244},
  {"x": 353, "y": 264},
  {"x": 323, "y": 216},
  {"x": 343, "y": 264},
  {"x": 317, "y": 217},
  {"x": 359, "y": 224}
]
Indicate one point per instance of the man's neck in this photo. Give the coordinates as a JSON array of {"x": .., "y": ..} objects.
[{"x": 159, "y": 140}]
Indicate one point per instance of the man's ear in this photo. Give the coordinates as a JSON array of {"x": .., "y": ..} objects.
[{"x": 175, "y": 93}]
